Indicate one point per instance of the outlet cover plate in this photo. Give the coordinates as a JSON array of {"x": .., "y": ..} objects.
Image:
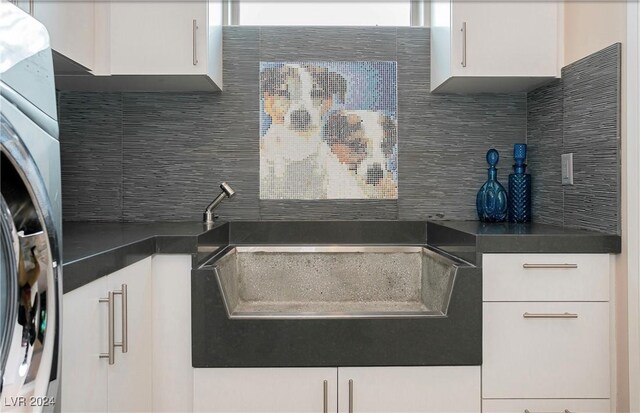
[{"x": 567, "y": 168}]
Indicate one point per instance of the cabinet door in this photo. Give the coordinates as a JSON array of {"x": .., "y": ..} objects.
[
  {"x": 170, "y": 315},
  {"x": 542, "y": 356},
  {"x": 70, "y": 24},
  {"x": 409, "y": 389},
  {"x": 130, "y": 377},
  {"x": 158, "y": 37},
  {"x": 84, "y": 337},
  {"x": 517, "y": 38},
  {"x": 253, "y": 390}
]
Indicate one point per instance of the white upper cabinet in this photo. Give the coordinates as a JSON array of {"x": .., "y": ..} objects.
[
  {"x": 135, "y": 45},
  {"x": 70, "y": 24},
  {"x": 493, "y": 46},
  {"x": 178, "y": 43}
]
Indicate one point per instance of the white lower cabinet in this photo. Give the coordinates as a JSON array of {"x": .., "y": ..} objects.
[
  {"x": 545, "y": 357},
  {"x": 409, "y": 389},
  {"x": 171, "y": 335},
  {"x": 549, "y": 405},
  {"x": 84, "y": 337},
  {"x": 261, "y": 390},
  {"x": 129, "y": 388},
  {"x": 344, "y": 390},
  {"x": 89, "y": 382},
  {"x": 546, "y": 337}
]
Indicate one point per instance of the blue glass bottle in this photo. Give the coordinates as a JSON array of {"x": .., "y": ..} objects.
[
  {"x": 519, "y": 187},
  {"x": 491, "y": 201}
]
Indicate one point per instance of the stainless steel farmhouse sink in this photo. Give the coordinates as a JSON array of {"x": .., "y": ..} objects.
[{"x": 289, "y": 282}]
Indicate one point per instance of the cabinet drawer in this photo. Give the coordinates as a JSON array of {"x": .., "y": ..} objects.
[
  {"x": 546, "y": 406},
  {"x": 545, "y": 277},
  {"x": 527, "y": 357}
]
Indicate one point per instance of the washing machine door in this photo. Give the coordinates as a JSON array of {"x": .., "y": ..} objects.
[{"x": 30, "y": 282}]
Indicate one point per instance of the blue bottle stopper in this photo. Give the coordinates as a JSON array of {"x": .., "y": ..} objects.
[
  {"x": 493, "y": 156},
  {"x": 519, "y": 156}
]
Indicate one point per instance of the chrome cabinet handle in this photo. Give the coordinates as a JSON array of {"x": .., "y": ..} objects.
[
  {"x": 550, "y": 315},
  {"x": 32, "y": 7},
  {"x": 350, "y": 396},
  {"x": 125, "y": 319},
  {"x": 548, "y": 266},
  {"x": 565, "y": 411},
  {"x": 464, "y": 44},
  {"x": 195, "y": 29},
  {"x": 110, "y": 354},
  {"x": 325, "y": 396}
]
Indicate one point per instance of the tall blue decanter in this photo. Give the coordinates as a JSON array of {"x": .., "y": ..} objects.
[
  {"x": 491, "y": 201},
  {"x": 519, "y": 187}
]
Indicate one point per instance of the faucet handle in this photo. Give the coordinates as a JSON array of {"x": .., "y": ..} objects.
[{"x": 227, "y": 190}]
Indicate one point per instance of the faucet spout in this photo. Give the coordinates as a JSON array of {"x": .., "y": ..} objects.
[{"x": 227, "y": 192}]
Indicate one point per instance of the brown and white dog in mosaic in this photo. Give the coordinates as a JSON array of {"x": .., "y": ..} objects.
[
  {"x": 292, "y": 152},
  {"x": 365, "y": 141}
]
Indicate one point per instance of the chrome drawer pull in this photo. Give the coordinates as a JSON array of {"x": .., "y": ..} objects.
[
  {"x": 194, "y": 28},
  {"x": 112, "y": 344},
  {"x": 350, "y": 396},
  {"x": 325, "y": 396},
  {"x": 550, "y": 315},
  {"x": 549, "y": 266},
  {"x": 565, "y": 411},
  {"x": 463, "y": 29},
  {"x": 125, "y": 319}
]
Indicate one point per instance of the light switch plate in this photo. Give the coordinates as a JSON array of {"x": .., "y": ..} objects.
[{"x": 567, "y": 168}]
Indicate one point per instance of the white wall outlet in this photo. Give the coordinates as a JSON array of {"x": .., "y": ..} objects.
[{"x": 567, "y": 168}]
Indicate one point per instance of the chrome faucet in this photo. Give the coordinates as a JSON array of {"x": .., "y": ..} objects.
[{"x": 228, "y": 192}]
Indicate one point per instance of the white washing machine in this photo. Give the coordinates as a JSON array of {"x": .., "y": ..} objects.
[{"x": 30, "y": 217}]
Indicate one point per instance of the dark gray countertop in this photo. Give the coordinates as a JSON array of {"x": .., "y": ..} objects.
[
  {"x": 470, "y": 239},
  {"x": 92, "y": 250},
  {"x": 84, "y": 239}
]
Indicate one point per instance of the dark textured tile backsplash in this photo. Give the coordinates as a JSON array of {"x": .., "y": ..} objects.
[
  {"x": 161, "y": 156},
  {"x": 578, "y": 114},
  {"x": 91, "y": 151}
]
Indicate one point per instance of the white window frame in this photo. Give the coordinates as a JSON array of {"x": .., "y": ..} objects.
[{"x": 419, "y": 12}]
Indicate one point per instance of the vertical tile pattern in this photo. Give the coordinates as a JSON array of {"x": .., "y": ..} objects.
[
  {"x": 164, "y": 154},
  {"x": 91, "y": 155},
  {"x": 166, "y": 169},
  {"x": 579, "y": 114},
  {"x": 234, "y": 130},
  {"x": 592, "y": 133},
  {"x": 544, "y": 138}
]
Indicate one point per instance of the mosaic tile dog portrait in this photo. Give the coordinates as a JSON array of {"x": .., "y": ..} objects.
[{"x": 328, "y": 130}]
